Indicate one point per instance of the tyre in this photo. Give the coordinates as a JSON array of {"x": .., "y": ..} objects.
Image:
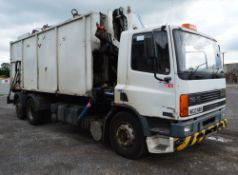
[
  {"x": 33, "y": 116},
  {"x": 126, "y": 136},
  {"x": 20, "y": 111}
]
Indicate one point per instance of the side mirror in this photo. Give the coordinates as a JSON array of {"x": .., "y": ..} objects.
[{"x": 149, "y": 48}]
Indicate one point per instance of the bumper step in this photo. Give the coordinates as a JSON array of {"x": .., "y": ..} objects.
[{"x": 182, "y": 143}]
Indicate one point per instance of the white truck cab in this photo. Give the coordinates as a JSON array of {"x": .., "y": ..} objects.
[{"x": 173, "y": 76}]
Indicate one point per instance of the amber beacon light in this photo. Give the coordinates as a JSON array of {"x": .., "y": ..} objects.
[{"x": 189, "y": 26}]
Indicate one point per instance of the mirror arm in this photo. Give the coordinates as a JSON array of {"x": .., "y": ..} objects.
[
  {"x": 157, "y": 78},
  {"x": 155, "y": 69},
  {"x": 155, "y": 59},
  {"x": 166, "y": 79}
]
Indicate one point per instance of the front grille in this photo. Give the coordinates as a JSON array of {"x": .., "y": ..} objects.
[
  {"x": 214, "y": 105},
  {"x": 213, "y": 95},
  {"x": 203, "y": 97}
]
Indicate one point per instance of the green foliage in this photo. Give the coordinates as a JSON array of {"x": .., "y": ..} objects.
[{"x": 5, "y": 70}]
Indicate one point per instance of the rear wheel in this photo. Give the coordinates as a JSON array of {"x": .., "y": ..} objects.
[
  {"x": 33, "y": 116},
  {"x": 126, "y": 135},
  {"x": 20, "y": 111}
]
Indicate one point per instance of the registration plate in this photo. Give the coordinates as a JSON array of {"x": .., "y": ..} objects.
[{"x": 195, "y": 110}]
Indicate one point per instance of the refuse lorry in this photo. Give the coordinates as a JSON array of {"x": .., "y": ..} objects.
[{"x": 159, "y": 89}]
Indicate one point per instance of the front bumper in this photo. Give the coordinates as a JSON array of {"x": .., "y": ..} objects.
[{"x": 162, "y": 144}]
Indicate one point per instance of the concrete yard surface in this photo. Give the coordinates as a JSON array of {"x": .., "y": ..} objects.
[{"x": 58, "y": 148}]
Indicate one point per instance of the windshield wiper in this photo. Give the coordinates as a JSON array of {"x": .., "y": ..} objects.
[{"x": 194, "y": 71}]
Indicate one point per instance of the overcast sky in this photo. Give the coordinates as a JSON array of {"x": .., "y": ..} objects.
[{"x": 217, "y": 18}]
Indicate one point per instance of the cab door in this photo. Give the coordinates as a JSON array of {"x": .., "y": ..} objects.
[{"x": 146, "y": 94}]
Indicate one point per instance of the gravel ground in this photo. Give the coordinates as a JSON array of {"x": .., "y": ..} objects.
[{"x": 64, "y": 149}]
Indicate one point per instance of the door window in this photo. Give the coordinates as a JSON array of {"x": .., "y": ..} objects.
[{"x": 141, "y": 62}]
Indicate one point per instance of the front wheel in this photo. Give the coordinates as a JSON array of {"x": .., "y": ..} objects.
[{"x": 126, "y": 135}]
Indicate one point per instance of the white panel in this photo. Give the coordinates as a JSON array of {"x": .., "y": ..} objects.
[
  {"x": 47, "y": 63},
  {"x": 16, "y": 51},
  {"x": 30, "y": 64},
  {"x": 66, "y": 59},
  {"x": 71, "y": 57},
  {"x": 88, "y": 55}
]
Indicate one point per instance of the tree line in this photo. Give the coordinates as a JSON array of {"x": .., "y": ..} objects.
[{"x": 5, "y": 70}]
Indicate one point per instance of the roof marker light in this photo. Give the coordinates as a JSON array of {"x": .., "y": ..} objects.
[{"x": 189, "y": 26}]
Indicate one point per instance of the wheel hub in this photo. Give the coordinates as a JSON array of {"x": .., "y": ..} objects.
[{"x": 125, "y": 135}]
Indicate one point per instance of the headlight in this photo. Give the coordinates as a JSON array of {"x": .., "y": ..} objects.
[{"x": 187, "y": 129}]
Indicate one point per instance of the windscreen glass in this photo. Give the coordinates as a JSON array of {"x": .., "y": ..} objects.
[{"x": 198, "y": 57}]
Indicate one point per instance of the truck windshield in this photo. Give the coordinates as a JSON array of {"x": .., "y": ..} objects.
[{"x": 198, "y": 57}]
